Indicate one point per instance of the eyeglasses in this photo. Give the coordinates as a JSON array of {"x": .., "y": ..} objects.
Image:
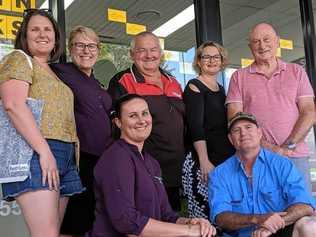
[
  {"x": 81, "y": 46},
  {"x": 31, "y": 11},
  {"x": 215, "y": 57}
]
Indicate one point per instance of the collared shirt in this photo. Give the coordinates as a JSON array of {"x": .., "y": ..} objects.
[
  {"x": 92, "y": 108},
  {"x": 272, "y": 100},
  {"x": 129, "y": 191},
  {"x": 58, "y": 121},
  {"x": 166, "y": 141},
  {"x": 275, "y": 185},
  {"x": 136, "y": 83}
]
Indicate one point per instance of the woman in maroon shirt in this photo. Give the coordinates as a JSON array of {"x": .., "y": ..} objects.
[
  {"x": 130, "y": 196},
  {"x": 92, "y": 109}
]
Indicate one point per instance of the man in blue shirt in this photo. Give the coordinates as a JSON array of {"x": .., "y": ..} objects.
[{"x": 257, "y": 192}]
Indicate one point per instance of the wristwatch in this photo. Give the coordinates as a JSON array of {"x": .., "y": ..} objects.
[{"x": 291, "y": 145}]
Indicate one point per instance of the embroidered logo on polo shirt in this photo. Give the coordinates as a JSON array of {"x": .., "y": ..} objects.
[
  {"x": 159, "y": 179},
  {"x": 177, "y": 94}
]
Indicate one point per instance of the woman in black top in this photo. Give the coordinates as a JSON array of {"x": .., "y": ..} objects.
[{"x": 204, "y": 99}]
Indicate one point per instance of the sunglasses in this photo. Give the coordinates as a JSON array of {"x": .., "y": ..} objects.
[{"x": 31, "y": 11}]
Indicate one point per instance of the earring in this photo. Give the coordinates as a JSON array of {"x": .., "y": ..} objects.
[{"x": 54, "y": 50}]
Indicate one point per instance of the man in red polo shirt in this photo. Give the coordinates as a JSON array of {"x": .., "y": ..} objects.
[
  {"x": 279, "y": 94},
  {"x": 164, "y": 97}
]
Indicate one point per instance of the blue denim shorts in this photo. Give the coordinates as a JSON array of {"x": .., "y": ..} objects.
[{"x": 69, "y": 179}]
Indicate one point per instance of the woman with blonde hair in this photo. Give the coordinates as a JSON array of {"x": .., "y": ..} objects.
[
  {"x": 92, "y": 108},
  {"x": 204, "y": 99}
]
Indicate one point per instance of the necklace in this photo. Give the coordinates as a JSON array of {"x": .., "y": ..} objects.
[{"x": 209, "y": 83}]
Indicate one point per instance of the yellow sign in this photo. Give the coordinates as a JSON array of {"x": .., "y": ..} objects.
[
  {"x": 286, "y": 44},
  {"x": 116, "y": 15},
  {"x": 3, "y": 26},
  {"x": 16, "y": 5},
  {"x": 245, "y": 62},
  {"x": 5, "y": 5},
  {"x": 9, "y": 26},
  {"x": 278, "y": 53},
  {"x": 20, "y": 6},
  {"x": 134, "y": 29},
  {"x": 13, "y": 25}
]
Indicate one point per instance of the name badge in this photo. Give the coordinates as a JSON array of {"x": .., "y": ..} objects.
[{"x": 159, "y": 179}]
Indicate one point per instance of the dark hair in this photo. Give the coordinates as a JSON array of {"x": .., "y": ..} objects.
[
  {"x": 117, "y": 111},
  {"x": 21, "y": 42},
  {"x": 118, "y": 104}
]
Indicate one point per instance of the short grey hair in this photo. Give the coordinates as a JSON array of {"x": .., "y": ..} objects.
[{"x": 144, "y": 34}]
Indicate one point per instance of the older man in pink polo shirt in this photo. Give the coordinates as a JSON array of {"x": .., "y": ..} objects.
[{"x": 279, "y": 94}]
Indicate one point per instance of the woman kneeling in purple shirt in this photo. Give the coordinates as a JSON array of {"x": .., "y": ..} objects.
[{"x": 130, "y": 197}]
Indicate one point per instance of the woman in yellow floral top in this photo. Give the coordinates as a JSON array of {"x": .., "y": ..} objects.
[{"x": 43, "y": 196}]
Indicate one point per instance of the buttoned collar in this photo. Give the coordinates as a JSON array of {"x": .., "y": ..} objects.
[
  {"x": 261, "y": 157},
  {"x": 281, "y": 67},
  {"x": 75, "y": 67},
  {"x": 132, "y": 147},
  {"x": 138, "y": 77}
]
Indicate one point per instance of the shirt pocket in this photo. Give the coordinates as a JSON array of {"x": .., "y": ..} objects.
[
  {"x": 272, "y": 199},
  {"x": 238, "y": 204},
  {"x": 289, "y": 89}
]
